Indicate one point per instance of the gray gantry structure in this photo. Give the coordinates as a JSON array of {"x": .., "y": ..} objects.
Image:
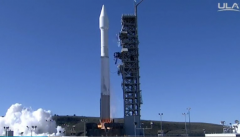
[{"x": 129, "y": 69}]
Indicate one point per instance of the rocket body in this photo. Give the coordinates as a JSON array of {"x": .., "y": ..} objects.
[{"x": 105, "y": 73}]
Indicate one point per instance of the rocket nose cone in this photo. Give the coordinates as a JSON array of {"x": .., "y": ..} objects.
[
  {"x": 103, "y": 11},
  {"x": 103, "y": 19}
]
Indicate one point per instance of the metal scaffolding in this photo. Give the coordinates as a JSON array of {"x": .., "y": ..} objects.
[{"x": 129, "y": 69}]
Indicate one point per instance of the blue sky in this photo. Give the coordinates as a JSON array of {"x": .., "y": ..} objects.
[{"x": 189, "y": 57}]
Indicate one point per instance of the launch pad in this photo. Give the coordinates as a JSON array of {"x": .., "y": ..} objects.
[{"x": 110, "y": 129}]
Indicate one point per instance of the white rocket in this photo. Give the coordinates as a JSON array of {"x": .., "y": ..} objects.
[{"x": 105, "y": 74}]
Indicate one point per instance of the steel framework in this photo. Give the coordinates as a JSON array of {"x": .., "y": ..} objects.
[{"x": 129, "y": 69}]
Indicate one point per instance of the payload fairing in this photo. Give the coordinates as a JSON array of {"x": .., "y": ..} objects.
[{"x": 105, "y": 74}]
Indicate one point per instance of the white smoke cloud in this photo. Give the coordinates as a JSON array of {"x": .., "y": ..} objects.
[
  {"x": 237, "y": 129},
  {"x": 18, "y": 118}
]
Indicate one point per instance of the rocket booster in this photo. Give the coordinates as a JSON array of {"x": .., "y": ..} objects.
[{"x": 105, "y": 74}]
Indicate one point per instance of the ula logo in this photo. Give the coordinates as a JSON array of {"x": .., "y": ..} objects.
[{"x": 224, "y": 7}]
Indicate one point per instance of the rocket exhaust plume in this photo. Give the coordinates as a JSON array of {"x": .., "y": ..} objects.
[
  {"x": 18, "y": 118},
  {"x": 105, "y": 74}
]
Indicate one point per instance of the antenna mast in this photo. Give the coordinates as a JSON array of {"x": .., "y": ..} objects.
[{"x": 136, "y": 5}]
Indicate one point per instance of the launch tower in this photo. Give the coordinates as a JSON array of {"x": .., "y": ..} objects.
[{"x": 129, "y": 69}]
